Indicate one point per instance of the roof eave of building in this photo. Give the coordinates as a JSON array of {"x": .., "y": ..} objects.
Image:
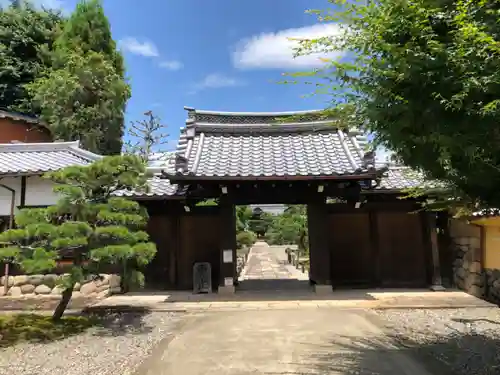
[{"x": 193, "y": 178}]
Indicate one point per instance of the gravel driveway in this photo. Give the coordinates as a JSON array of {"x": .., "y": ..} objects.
[
  {"x": 466, "y": 340},
  {"x": 117, "y": 349}
]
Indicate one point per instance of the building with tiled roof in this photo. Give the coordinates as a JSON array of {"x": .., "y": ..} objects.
[
  {"x": 261, "y": 158},
  {"x": 18, "y": 127}
]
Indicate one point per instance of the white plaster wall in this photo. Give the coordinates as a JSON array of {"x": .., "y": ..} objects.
[
  {"x": 6, "y": 196},
  {"x": 38, "y": 193}
]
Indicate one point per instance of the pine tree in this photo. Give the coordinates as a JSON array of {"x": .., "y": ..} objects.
[{"x": 89, "y": 225}]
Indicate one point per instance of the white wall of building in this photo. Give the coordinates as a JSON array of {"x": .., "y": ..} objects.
[{"x": 38, "y": 193}]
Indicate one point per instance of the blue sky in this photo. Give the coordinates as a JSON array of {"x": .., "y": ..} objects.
[{"x": 219, "y": 54}]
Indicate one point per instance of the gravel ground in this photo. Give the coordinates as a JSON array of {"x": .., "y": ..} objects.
[
  {"x": 117, "y": 349},
  {"x": 467, "y": 341}
]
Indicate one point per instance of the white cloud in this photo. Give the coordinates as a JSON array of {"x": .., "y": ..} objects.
[
  {"x": 132, "y": 45},
  {"x": 276, "y": 50},
  {"x": 216, "y": 81},
  {"x": 171, "y": 64}
]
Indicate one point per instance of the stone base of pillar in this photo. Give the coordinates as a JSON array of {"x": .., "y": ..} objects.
[
  {"x": 226, "y": 290},
  {"x": 437, "y": 288},
  {"x": 323, "y": 289}
]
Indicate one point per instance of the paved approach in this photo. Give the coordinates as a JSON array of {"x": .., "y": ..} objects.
[
  {"x": 318, "y": 341},
  {"x": 267, "y": 269}
]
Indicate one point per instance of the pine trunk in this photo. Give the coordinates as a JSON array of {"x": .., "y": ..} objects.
[{"x": 63, "y": 304}]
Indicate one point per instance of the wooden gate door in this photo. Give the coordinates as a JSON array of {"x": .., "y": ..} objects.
[
  {"x": 402, "y": 249},
  {"x": 351, "y": 255}
]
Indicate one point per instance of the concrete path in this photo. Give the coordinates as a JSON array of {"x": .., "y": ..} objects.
[
  {"x": 267, "y": 269},
  {"x": 321, "y": 341}
]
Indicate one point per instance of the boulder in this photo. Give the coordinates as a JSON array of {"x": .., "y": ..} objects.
[
  {"x": 461, "y": 273},
  {"x": 21, "y": 280},
  {"x": 50, "y": 280},
  {"x": 35, "y": 280},
  {"x": 10, "y": 280},
  {"x": 88, "y": 288},
  {"x": 57, "y": 290},
  {"x": 15, "y": 291},
  {"x": 76, "y": 294},
  {"x": 2, "y": 291},
  {"x": 476, "y": 291},
  {"x": 114, "y": 281},
  {"x": 77, "y": 287},
  {"x": 42, "y": 289},
  {"x": 102, "y": 288},
  {"x": 475, "y": 267},
  {"x": 27, "y": 289},
  {"x": 496, "y": 284}
]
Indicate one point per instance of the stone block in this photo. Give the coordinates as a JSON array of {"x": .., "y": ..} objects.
[
  {"x": 50, "y": 280},
  {"x": 461, "y": 273},
  {"x": 323, "y": 289},
  {"x": 88, "y": 288},
  {"x": 103, "y": 294},
  {"x": 57, "y": 290},
  {"x": 475, "y": 267},
  {"x": 496, "y": 284},
  {"x": 115, "y": 290},
  {"x": 42, "y": 289},
  {"x": 10, "y": 280},
  {"x": 15, "y": 291},
  {"x": 28, "y": 289},
  {"x": 102, "y": 288},
  {"x": 226, "y": 290},
  {"x": 77, "y": 287},
  {"x": 21, "y": 280},
  {"x": 35, "y": 280},
  {"x": 114, "y": 281},
  {"x": 476, "y": 291},
  {"x": 76, "y": 294},
  {"x": 437, "y": 288}
]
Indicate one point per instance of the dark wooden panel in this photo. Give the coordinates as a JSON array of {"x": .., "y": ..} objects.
[
  {"x": 402, "y": 249},
  {"x": 201, "y": 242},
  {"x": 351, "y": 252},
  {"x": 160, "y": 272}
]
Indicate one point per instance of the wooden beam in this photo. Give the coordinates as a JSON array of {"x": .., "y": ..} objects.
[
  {"x": 375, "y": 247},
  {"x": 437, "y": 282},
  {"x": 228, "y": 242},
  {"x": 22, "y": 198},
  {"x": 319, "y": 247}
]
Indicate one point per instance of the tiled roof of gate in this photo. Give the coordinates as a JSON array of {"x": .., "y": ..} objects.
[
  {"x": 279, "y": 144},
  {"x": 401, "y": 177},
  {"x": 38, "y": 158}
]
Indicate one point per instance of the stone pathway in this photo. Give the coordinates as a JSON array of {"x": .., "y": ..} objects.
[
  {"x": 321, "y": 341},
  {"x": 267, "y": 269}
]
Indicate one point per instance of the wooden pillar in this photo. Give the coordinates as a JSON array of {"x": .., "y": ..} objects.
[
  {"x": 228, "y": 246},
  {"x": 437, "y": 282},
  {"x": 175, "y": 249},
  {"x": 320, "y": 263},
  {"x": 375, "y": 247}
]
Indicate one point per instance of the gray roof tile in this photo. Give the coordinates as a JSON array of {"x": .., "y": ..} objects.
[
  {"x": 158, "y": 187},
  {"x": 38, "y": 158},
  {"x": 227, "y": 144},
  {"x": 400, "y": 177}
]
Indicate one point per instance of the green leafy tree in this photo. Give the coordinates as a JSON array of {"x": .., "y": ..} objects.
[
  {"x": 89, "y": 225},
  {"x": 243, "y": 216},
  {"x": 245, "y": 238},
  {"x": 26, "y": 36},
  {"x": 83, "y": 94},
  {"x": 423, "y": 76},
  {"x": 290, "y": 228},
  {"x": 260, "y": 222}
]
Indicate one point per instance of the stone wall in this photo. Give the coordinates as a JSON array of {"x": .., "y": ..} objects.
[
  {"x": 469, "y": 273},
  {"x": 46, "y": 286}
]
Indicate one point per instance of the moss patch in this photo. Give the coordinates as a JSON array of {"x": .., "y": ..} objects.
[{"x": 37, "y": 328}]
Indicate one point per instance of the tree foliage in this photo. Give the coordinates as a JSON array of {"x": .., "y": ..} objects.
[
  {"x": 289, "y": 228},
  {"x": 84, "y": 92},
  {"x": 147, "y": 135},
  {"x": 26, "y": 35},
  {"x": 89, "y": 225},
  {"x": 423, "y": 76},
  {"x": 260, "y": 222}
]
